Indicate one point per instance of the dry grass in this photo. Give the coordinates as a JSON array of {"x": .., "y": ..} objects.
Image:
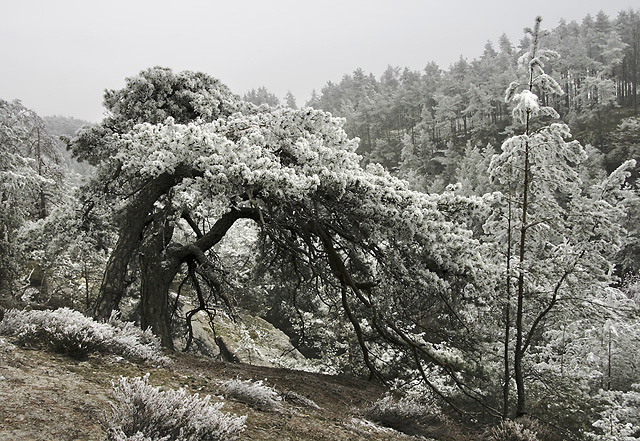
[{"x": 47, "y": 396}]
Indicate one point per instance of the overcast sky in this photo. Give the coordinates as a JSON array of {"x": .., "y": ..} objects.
[{"x": 59, "y": 56}]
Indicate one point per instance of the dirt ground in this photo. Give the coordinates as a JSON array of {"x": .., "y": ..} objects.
[{"x": 46, "y": 396}]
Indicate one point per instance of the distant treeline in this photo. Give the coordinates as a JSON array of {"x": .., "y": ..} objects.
[{"x": 419, "y": 116}]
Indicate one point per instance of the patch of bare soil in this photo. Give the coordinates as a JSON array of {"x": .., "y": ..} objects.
[{"x": 45, "y": 396}]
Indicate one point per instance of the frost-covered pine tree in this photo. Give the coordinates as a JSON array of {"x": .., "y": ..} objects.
[
  {"x": 30, "y": 177},
  {"x": 357, "y": 238},
  {"x": 558, "y": 237}
]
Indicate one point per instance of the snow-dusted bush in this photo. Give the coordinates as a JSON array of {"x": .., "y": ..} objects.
[
  {"x": 618, "y": 416},
  {"x": 70, "y": 332},
  {"x": 405, "y": 415},
  {"x": 509, "y": 430},
  {"x": 300, "y": 400},
  {"x": 359, "y": 426},
  {"x": 132, "y": 342},
  {"x": 118, "y": 435},
  {"x": 254, "y": 393},
  {"x": 141, "y": 412}
]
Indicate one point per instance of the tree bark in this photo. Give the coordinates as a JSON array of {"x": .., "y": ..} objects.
[
  {"x": 507, "y": 317},
  {"x": 519, "y": 349},
  {"x": 156, "y": 275},
  {"x": 159, "y": 265},
  {"x": 136, "y": 216}
]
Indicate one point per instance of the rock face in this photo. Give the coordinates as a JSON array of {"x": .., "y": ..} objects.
[{"x": 248, "y": 339}]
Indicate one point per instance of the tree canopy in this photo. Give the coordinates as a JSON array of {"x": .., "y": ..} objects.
[{"x": 378, "y": 249}]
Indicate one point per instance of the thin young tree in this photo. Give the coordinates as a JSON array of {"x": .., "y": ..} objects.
[{"x": 559, "y": 237}]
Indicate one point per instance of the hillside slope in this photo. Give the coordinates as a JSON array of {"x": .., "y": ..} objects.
[{"x": 46, "y": 396}]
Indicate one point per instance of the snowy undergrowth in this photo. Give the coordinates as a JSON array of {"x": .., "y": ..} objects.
[
  {"x": 70, "y": 332},
  {"x": 254, "y": 393},
  {"x": 405, "y": 415},
  {"x": 523, "y": 429},
  {"x": 141, "y": 412},
  {"x": 299, "y": 400},
  {"x": 360, "y": 425}
]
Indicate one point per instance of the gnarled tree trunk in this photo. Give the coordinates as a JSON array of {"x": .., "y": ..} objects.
[
  {"x": 135, "y": 217},
  {"x": 160, "y": 264},
  {"x": 156, "y": 275}
]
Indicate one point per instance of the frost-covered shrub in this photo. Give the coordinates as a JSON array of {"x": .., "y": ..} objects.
[
  {"x": 254, "y": 393},
  {"x": 132, "y": 342},
  {"x": 619, "y": 416},
  {"x": 508, "y": 430},
  {"x": 141, "y": 412},
  {"x": 118, "y": 435},
  {"x": 300, "y": 400},
  {"x": 405, "y": 415},
  {"x": 70, "y": 332}
]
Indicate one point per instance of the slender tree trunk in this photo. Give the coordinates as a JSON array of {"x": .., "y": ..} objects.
[
  {"x": 7, "y": 298},
  {"x": 42, "y": 208},
  {"x": 520, "y": 347},
  {"x": 507, "y": 318},
  {"x": 519, "y": 350},
  {"x": 507, "y": 368},
  {"x": 609, "y": 362},
  {"x": 634, "y": 71}
]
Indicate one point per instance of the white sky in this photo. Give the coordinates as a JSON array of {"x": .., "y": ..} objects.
[{"x": 58, "y": 56}]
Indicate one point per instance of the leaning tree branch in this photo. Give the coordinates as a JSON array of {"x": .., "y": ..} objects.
[
  {"x": 464, "y": 388},
  {"x": 551, "y": 304},
  {"x": 194, "y": 226},
  {"x": 358, "y": 330},
  {"x": 337, "y": 265}
]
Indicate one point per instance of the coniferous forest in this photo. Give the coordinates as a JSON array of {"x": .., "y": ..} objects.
[{"x": 467, "y": 237}]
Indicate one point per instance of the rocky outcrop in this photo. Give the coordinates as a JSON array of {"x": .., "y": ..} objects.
[{"x": 244, "y": 339}]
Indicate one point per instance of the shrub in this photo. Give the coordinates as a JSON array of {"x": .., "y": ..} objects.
[
  {"x": 618, "y": 416},
  {"x": 142, "y": 412},
  {"x": 405, "y": 415},
  {"x": 300, "y": 400},
  {"x": 70, "y": 332},
  {"x": 523, "y": 429},
  {"x": 132, "y": 342},
  {"x": 118, "y": 435},
  {"x": 253, "y": 393}
]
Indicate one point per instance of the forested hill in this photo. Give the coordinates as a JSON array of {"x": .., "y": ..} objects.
[{"x": 421, "y": 123}]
